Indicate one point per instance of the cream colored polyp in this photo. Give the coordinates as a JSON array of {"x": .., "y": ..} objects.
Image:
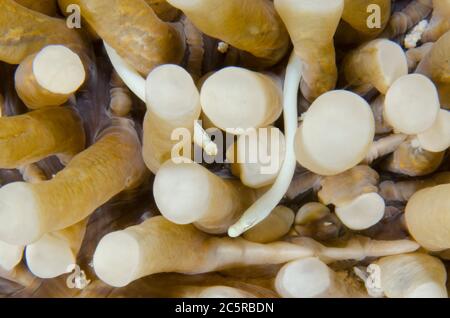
[
  {"x": 427, "y": 217},
  {"x": 335, "y": 134},
  {"x": 412, "y": 104},
  {"x": 414, "y": 275},
  {"x": 437, "y": 138},
  {"x": 237, "y": 98},
  {"x": 377, "y": 63}
]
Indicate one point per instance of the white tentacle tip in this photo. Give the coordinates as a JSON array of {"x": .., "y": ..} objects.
[
  {"x": 240, "y": 227},
  {"x": 363, "y": 212},
  {"x": 235, "y": 231}
]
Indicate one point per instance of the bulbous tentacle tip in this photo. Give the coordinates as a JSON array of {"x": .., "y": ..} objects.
[{"x": 19, "y": 214}]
